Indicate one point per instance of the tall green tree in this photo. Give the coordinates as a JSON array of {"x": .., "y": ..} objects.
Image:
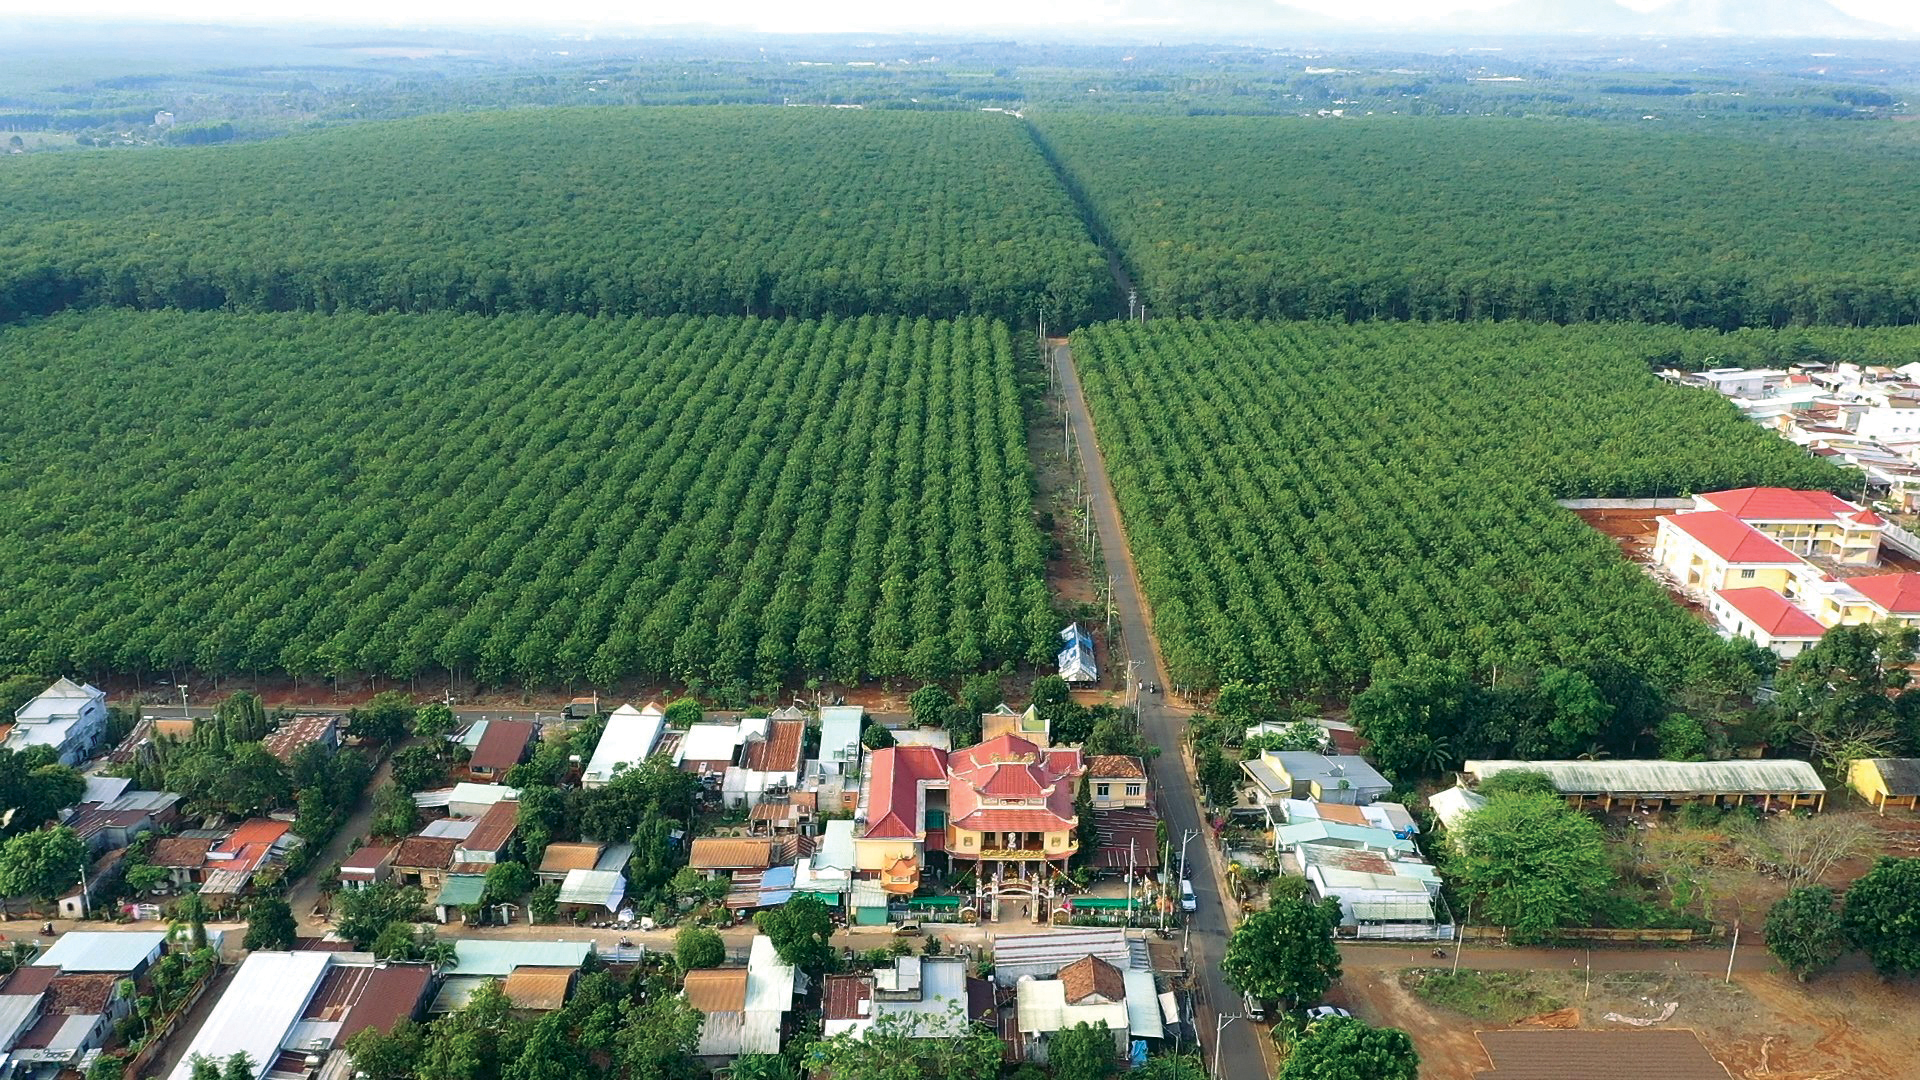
[
  {"x": 387, "y": 717},
  {"x": 364, "y": 913},
  {"x": 1805, "y": 932},
  {"x": 658, "y": 1037},
  {"x": 1882, "y": 915},
  {"x": 896, "y": 1047},
  {"x": 1343, "y": 1048},
  {"x": 698, "y": 947},
  {"x": 390, "y": 1055},
  {"x": 801, "y": 931},
  {"x": 1083, "y": 1052},
  {"x": 1285, "y": 953},
  {"x": 1851, "y": 696},
  {"x": 1530, "y": 863},
  {"x": 41, "y": 864},
  {"x": 270, "y": 924}
]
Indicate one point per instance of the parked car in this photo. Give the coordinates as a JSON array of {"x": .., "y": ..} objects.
[
  {"x": 1321, "y": 1012},
  {"x": 1256, "y": 1009},
  {"x": 907, "y": 929},
  {"x": 1188, "y": 902}
]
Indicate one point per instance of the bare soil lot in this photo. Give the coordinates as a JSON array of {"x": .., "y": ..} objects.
[{"x": 1762, "y": 1025}]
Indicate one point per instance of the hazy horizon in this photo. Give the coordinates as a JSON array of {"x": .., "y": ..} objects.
[{"x": 1107, "y": 18}]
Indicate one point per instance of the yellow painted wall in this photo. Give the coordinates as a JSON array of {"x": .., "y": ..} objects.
[{"x": 877, "y": 855}]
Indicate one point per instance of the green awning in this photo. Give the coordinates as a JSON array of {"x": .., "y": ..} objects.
[
  {"x": 934, "y": 903},
  {"x": 461, "y": 890},
  {"x": 1105, "y": 903}
]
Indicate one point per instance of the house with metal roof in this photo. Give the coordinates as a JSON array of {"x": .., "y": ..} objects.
[
  {"x": 1075, "y": 660},
  {"x": 259, "y": 1008},
  {"x": 296, "y": 733},
  {"x": 771, "y": 755},
  {"x": 1451, "y": 806},
  {"x": 540, "y": 989},
  {"x": 1380, "y": 897},
  {"x": 1088, "y": 991},
  {"x": 1885, "y": 782},
  {"x": 1042, "y": 955},
  {"x": 501, "y": 747},
  {"x": 840, "y": 728},
  {"x": 771, "y": 986},
  {"x": 71, "y": 717},
  {"x": 1338, "y": 834},
  {"x": 931, "y": 996},
  {"x": 465, "y": 799},
  {"x": 1278, "y": 775},
  {"x": 292, "y": 1013},
  {"x": 629, "y": 737},
  {"x": 708, "y": 749},
  {"x": 490, "y": 836},
  {"x": 480, "y": 960},
  {"x": 721, "y": 996},
  {"x": 1768, "y": 783},
  {"x": 128, "y": 953},
  {"x": 594, "y": 891},
  {"x": 368, "y": 866}
]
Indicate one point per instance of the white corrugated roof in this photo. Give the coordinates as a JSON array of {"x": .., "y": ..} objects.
[
  {"x": 477, "y": 956},
  {"x": 1143, "y": 1005},
  {"x": 708, "y": 742},
  {"x": 1041, "y": 1006},
  {"x": 1454, "y": 804},
  {"x": 1745, "y": 777},
  {"x": 605, "y": 888},
  {"x": 17, "y": 1013},
  {"x": 630, "y": 735},
  {"x": 836, "y": 846},
  {"x": 101, "y": 951},
  {"x": 264, "y": 1000}
]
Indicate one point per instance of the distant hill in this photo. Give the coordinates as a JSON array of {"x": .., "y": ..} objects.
[{"x": 1608, "y": 18}]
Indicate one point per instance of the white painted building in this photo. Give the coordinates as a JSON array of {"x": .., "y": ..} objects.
[{"x": 68, "y": 716}]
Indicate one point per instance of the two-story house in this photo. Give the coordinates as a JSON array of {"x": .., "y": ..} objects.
[{"x": 68, "y": 716}]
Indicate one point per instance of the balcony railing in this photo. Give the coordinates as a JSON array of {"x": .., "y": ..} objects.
[{"x": 1010, "y": 854}]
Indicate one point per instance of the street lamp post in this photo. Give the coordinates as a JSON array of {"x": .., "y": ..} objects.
[
  {"x": 1220, "y": 1022},
  {"x": 1186, "y": 924}
]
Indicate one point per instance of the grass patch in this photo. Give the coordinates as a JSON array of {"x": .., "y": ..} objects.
[{"x": 1498, "y": 997}]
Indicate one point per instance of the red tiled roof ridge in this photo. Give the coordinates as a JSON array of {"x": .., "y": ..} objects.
[
  {"x": 1772, "y": 612},
  {"x": 1732, "y": 539}
]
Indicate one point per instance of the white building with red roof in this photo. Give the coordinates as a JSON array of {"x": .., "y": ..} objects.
[
  {"x": 1767, "y": 619},
  {"x": 1811, "y": 524},
  {"x": 1710, "y": 550}
]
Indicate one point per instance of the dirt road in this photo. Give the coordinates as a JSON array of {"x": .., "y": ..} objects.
[{"x": 1242, "y": 1050}]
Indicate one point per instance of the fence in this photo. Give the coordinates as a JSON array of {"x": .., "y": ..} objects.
[
  {"x": 157, "y": 1039},
  {"x": 1601, "y": 934}
]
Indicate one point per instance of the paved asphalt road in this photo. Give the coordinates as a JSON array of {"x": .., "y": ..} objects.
[{"x": 1241, "y": 1053}]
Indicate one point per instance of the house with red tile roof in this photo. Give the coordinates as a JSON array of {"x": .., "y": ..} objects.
[
  {"x": 232, "y": 863},
  {"x": 1004, "y": 805},
  {"x": 1767, "y": 619},
  {"x": 1811, "y": 524},
  {"x": 1710, "y": 550}
]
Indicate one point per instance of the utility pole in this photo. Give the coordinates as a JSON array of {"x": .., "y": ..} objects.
[
  {"x": 183, "y": 701},
  {"x": 1732, "y": 949},
  {"x": 1186, "y": 924},
  {"x": 1460, "y": 946},
  {"x": 1220, "y": 1022},
  {"x": 1132, "y": 697},
  {"x": 1133, "y": 299}
]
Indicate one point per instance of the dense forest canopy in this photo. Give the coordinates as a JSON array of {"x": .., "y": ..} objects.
[
  {"x": 739, "y": 211},
  {"x": 1307, "y": 500},
  {"x": 722, "y": 500},
  {"x": 1477, "y": 217}
]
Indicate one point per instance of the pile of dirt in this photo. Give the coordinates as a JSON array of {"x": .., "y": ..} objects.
[{"x": 1558, "y": 1018}]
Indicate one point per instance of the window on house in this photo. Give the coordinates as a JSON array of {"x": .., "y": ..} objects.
[
  {"x": 1100, "y": 790},
  {"x": 1746, "y": 574},
  {"x": 1133, "y": 789}
]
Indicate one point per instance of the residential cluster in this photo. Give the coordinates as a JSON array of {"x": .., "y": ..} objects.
[
  {"x": 1864, "y": 415},
  {"x": 1781, "y": 567}
]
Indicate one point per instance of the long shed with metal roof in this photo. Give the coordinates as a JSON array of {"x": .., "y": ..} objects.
[{"x": 1770, "y": 784}]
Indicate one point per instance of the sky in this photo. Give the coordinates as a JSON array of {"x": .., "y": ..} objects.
[{"x": 773, "y": 16}]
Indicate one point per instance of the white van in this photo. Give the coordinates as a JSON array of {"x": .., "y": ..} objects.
[
  {"x": 1188, "y": 902},
  {"x": 1256, "y": 1010}
]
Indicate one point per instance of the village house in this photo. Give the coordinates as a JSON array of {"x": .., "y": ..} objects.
[
  {"x": 68, "y": 716},
  {"x": 629, "y": 737},
  {"x": 478, "y": 961},
  {"x": 771, "y": 753},
  {"x": 298, "y": 732},
  {"x": 1279, "y": 775},
  {"x": 422, "y": 861},
  {"x": 502, "y": 746},
  {"x": 562, "y": 858},
  {"x": 1885, "y": 782},
  {"x": 932, "y": 996},
  {"x": 292, "y": 1013},
  {"x": 1117, "y": 781},
  {"x": 366, "y": 867},
  {"x": 1089, "y": 990}
]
